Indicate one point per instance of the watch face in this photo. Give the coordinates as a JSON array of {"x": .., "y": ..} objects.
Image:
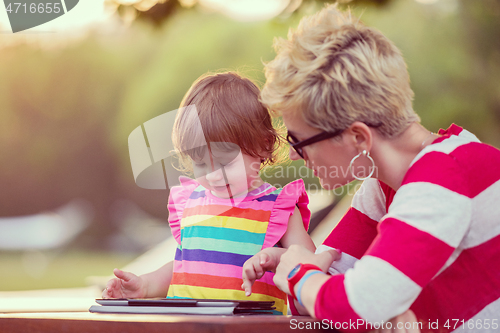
[{"x": 294, "y": 271}]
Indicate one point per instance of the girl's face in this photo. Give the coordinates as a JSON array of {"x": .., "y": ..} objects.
[{"x": 227, "y": 172}]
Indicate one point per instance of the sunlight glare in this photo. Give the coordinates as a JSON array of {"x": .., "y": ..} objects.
[
  {"x": 427, "y": 2},
  {"x": 247, "y": 10}
]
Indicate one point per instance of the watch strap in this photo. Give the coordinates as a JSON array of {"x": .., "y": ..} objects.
[{"x": 293, "y": 280}]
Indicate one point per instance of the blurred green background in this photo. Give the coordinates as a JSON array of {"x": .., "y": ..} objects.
[{"x": 67, "y": 108}]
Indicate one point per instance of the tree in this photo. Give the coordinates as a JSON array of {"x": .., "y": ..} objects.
[{"x": 159, "y": 11}]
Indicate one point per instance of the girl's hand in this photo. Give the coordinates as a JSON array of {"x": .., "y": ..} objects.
[
  {"x": 125, "y": 285},
  {"x": 255, "y": 267}
]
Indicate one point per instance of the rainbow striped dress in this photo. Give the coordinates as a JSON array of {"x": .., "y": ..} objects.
[{"x": 216, "y": 236}]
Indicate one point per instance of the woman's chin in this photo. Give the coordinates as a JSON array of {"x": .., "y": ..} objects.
[
  {"x": 324, "y": 184},
  {"x": 330, "y": 184}
]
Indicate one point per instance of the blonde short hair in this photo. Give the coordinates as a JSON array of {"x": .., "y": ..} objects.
[{"x": 334, "y": 70}]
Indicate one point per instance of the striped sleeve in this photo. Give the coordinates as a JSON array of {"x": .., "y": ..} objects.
[
  {"x": 357, "y": 229},
  {"x": 427, "y": 220}
]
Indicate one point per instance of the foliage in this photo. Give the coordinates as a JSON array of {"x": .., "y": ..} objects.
[
  {"x": 157, "y": 12},
  {"x": 66, "y": 113},
  {"x": 48, "y": 270}
]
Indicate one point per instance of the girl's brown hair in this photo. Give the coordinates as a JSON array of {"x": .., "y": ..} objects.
[{"x": 228, "y": 108}]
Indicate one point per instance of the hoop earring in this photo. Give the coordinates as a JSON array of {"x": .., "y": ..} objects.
[{"x": 367, "y": 154}]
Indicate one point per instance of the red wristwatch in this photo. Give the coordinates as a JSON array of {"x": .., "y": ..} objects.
[{"x": 297, "y": 273}]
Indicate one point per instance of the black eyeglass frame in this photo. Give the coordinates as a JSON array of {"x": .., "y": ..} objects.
[{"x": 309, "y": 141}]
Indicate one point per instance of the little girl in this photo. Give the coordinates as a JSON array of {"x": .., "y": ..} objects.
[{"x": 227, "y": 214}]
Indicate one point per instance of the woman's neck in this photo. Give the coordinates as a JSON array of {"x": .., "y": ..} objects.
[{"x": 393, "y": 156}]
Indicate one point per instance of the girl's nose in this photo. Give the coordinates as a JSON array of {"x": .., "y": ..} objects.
[{"x": 215, "y": 175}]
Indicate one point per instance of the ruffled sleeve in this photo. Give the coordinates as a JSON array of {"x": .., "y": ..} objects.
[
  {"x": 291, "y": 196},
  {"x": 177, "y": 200}
]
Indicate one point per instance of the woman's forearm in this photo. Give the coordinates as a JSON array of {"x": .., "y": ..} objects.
[{"x": 310, "y": 291}]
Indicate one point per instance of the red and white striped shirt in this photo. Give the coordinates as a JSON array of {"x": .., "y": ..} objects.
[{"x": 432, "y": 247}]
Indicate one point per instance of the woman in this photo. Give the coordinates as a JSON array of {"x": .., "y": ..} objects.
[{"x": 423, "y": 230}]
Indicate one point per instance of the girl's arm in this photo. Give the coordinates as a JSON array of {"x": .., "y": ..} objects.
[
  {"x": 158, "y": 282},
  {"x": 296, "y": 234},
  {"x": 129, "y": 285}
]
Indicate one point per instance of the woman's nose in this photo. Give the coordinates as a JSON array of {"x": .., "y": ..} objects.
[{"x": 294, "y": 155}]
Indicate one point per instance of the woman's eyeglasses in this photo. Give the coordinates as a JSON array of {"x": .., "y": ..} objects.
[{"x": 298, "y": 145}]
